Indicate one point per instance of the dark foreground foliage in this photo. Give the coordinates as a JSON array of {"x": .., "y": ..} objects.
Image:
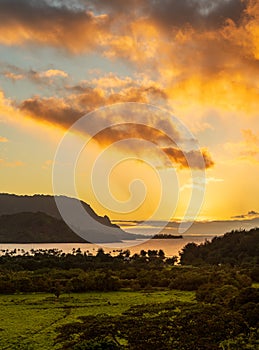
[{"x": 171, "y": 325}]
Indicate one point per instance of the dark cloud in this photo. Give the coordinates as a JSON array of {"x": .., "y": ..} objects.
[
  {"x": 83, "y": 25},
  {"x": 58, "y": 112},
  {"x": 64, "y": 112},
  {"x": 40, "y": 21},
  {"x": 41, "y": 13},
  {"x": 84, "y": 99},
  {"x": 52, "y": 110},
  {"x": 194, "y": 159},
  {"x": 250, "y": 215},
  {"x": 47, "y": 77},
  {"x": 137, "y": 131},
  {"x": 174, "y": 13},
  {"x": 88, "y": 96},
  {"x": 197, "y": 13},
  {"x": 117, "y": 29},
  {"x": 118, "y": 6}
]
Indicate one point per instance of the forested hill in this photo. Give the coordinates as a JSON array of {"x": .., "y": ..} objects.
[
  {"x": 12, "y": 204},
  {"x": 234, "y": 248},
  {"x": 35, "y": 228},
  {"x": 27, "y": 210}
]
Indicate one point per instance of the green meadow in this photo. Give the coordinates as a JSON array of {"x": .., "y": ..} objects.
[{"x": 29, "y": 321}]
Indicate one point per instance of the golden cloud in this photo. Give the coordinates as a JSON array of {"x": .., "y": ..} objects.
[
  {"x": 245, "y": 150},
  {"x": 13, "y": 76},
  {"x": 47, "y": 24},
  {"x": 84, "y": 99},
  {"x": 53, "y": 73},
  {"x": 54, "y": 110},
  {"x": 7, "y": 164},
  {"x": 192, "y": 159},
  {"x": 206, "y": 56},
  {"x": 41, "y": 77},
  {"x": 3, "y": 139},
  {"x": 65, "y": 112},
  {"x": 202, "y": 51}
]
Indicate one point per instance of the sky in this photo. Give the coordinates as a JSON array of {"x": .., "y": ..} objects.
[{"x": 196, "y": 60}]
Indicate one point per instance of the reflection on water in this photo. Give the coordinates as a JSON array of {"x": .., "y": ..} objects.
[{"x": 169, "y": 246}]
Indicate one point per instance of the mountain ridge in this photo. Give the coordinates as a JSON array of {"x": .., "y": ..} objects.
[{"x": 93, "y": 228}]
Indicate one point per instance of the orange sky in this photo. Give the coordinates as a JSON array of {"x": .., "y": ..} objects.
[{"x": 198, "y": 60}]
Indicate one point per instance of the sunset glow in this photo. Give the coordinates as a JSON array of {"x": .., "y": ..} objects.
[{"x": 198, "y": 60}]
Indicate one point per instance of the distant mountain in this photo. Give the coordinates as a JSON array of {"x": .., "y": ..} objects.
[
  {"x": 198, "y": 228},
  {"x": 89, "y": 225}
]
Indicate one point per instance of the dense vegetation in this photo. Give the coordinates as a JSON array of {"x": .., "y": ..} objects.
[
  {"x": 224, "y": 314},
  {"x": 167, "y": 236},
  {"x": 234, "y": 248},
  {"x": 29, "y": 321},
  {"x": 43, "y": 271},
  {"x": 170, "y": 325}
]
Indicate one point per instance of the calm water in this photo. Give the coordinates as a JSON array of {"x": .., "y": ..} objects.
[{"x": 169, "y": 246}]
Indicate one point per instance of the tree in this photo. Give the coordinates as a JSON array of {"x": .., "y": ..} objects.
[
  {"x": 56, "y": 290},
  {"x": 172, "y": 260}
]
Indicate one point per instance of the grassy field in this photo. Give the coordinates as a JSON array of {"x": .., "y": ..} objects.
[{"x": 28, "y": 321}]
